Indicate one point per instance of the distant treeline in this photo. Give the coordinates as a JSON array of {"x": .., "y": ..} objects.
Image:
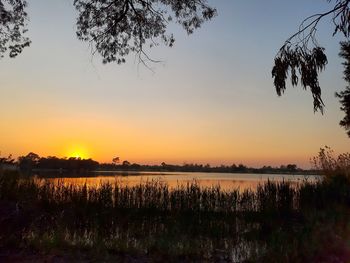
[
  {"x": 126, "y": 166},
  {"x": 33, "y": 162}
]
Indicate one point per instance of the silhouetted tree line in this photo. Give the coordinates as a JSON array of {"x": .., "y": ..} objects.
[
  {"x": 7, "y": 163},
  {"x": 33, "y": 161},
  {"x": 7, "y": 160},
  {"x": 164, "y": 167}
]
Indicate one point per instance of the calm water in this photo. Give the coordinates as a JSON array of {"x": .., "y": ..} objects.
[{"x": 226, "y": 181}]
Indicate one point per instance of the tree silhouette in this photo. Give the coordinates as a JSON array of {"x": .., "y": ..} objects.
[
  {"x": 113, "y": 28},
  {"x": 344, "y": 96},
  {"x": 6, "y": 160},
  {"x": 126, "y": 163},
  {"x": 13, "y": 27},
  {"x": 33, "y": 161},
  {"x": 117, "y": 28},
  {"x": 28, "y": 162},
  {"x": 301, "y": 58},
  {"x": 116, "y": 160}
]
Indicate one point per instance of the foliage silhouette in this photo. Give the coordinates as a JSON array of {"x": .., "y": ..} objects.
[
  {"x": 113, "y": 28},
  {"x": 193, "y": 167},
  {"x": 13, "y": 27},
  {"x": 331, "y": 166},
  {"x": 7, "y": 160},
  {"x": 28, "y": 162},
  {"x": 344, "y": 95},
  {"x": 301, "y": 58},
  {"x": 33, "y": 161},
  {"x": 117, "y": 28}
]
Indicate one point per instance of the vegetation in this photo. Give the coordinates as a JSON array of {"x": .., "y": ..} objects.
[
  {"x": 301, "y": 58},
  {"x": 33, "y": 162},
  {"x": 278, "y": 222},
  {"x": 193, "y": 167},
  {"x": 114, "y": 29},
  {"x": 13, "y": 19},
  {"x": 7, "y": 160},
  {"x": 331, "y": 166},
  {"x": 344, "y": 96}
]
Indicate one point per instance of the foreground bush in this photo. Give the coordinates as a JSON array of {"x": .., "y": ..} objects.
[{"x": 331, "y": 166}]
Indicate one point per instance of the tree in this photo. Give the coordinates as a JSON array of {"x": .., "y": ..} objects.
[
  {"x": 292, "y": 167},
  {"x": 344, "y": 96},
  {"x": 126, "y": 163},
  {"x": 113, "y": 28},
  {"x": 117, "y": 28},
  {"x": 301, "y": 58},
  {"x": 28, "y": 162},
  {"x": 116, "y": 160},
  {"x": 7, "y": 160},
  {"x": 12, "y": 27}
]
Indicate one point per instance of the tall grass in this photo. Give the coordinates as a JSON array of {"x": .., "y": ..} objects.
[
  {"x": 158, "y": 196},
  {"x": 276, "y": 222},
  {"x": 331, "y": 165}
]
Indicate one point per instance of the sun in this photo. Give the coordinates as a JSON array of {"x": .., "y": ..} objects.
[{"x": 78, "y": 152}]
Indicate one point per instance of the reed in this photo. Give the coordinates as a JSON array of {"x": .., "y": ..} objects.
[{"x": 187, "y": 221}]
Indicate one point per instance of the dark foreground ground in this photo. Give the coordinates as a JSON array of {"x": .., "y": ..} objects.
[
  {"x": 151, "y": 223},
  {"x": 17, "y": 256}
]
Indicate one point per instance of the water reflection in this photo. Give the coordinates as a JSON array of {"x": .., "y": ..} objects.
[{"x": 226, "y": 181}]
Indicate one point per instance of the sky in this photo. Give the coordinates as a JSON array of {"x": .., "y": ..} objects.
[{"x": 210, "y": 100}]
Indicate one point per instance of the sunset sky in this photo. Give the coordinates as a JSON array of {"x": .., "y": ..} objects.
[{"x": 211, "y": 100}]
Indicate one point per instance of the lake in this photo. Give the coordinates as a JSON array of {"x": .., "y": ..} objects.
[{"x": 226, "y": 181}]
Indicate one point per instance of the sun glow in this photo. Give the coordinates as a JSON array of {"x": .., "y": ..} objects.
[{"x": 78, "y": 152}]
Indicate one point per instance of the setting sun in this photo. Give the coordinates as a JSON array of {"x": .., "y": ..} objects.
[{"x": 78, "y": 152}]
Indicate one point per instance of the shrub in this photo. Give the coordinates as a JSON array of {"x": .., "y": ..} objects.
[{"x": 331, "y": 166}]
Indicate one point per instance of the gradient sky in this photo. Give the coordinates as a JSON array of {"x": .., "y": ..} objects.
[{"x": 211, "y": 101}]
